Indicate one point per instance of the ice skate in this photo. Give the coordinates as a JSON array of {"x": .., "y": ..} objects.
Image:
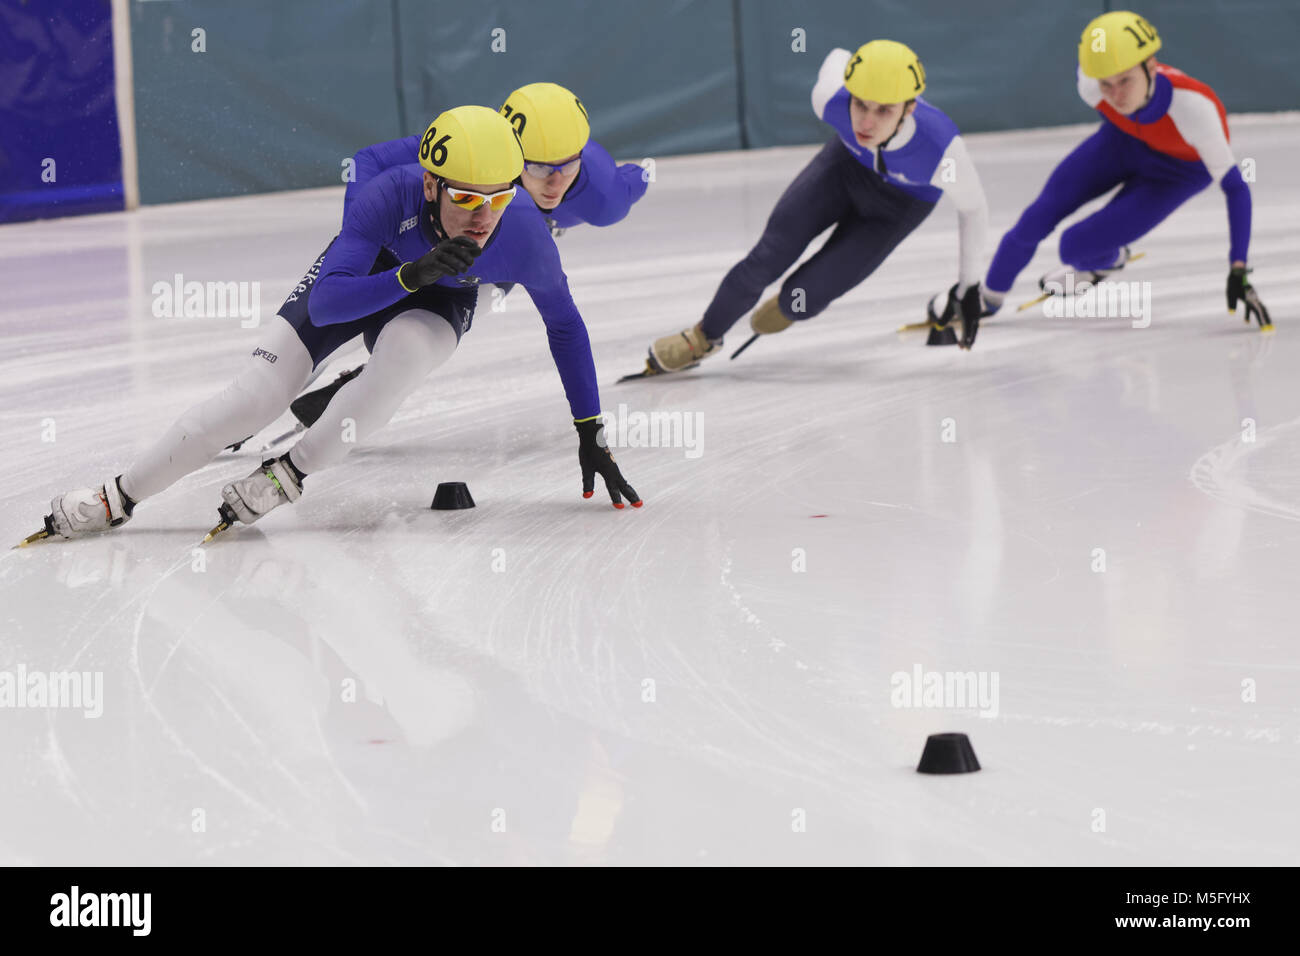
[
  {"x": 936, "y": 308},
  {"x": 1057, "y": 278},
  {"x": 768, "y": 319},
  {"x": 1067, "y": 279},
  {"x": 677, "y": 353},
  {"x": 90, "y": 510},
  {"x": 940, "y": 313},
  {"x": 273, "y": 484}
]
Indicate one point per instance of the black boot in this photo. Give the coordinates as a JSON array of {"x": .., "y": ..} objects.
[{"x": 310, "y": 406}]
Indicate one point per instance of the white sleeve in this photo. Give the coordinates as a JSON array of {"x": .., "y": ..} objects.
[
  {"x": 1197, "y": 119},
  {"x": 1089, "y": 89},
  {"x": 829, "y": 79},
  {"x": 957, "y": 177}
]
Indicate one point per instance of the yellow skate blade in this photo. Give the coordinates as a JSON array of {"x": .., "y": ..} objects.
[
  {"x": 914, "y": 327},
  {"x": 30, "y": 538},
  {"x": 216, "y": 531},
  {"x": 1033, "y": 302}
]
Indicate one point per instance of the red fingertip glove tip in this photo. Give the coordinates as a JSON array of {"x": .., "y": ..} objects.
[
  {"x": 618, "y": 505},
  {"x": 587, "y": 494},
  {"x": 637, "y": 504}
]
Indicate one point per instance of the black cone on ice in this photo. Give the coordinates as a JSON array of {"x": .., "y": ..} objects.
[
  {"x": 948, "y": 753},
  {"x": 451, "y": 496},
  {"x": 944, "y": 336}
]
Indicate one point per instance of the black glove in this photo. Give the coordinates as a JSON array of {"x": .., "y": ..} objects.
[
  {"x": 1239, "y": 287},
  {"x": 594, "y": 456},
  {"x": 971, "y": 310},
  {"x": 448, "y": 258}
]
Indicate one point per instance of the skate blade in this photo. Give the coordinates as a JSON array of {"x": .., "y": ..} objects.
[
  {"x": 925, "y": 326},
  {"x": 30, "y": 538},
  {"x": 1033, "y": 302},
  {"x": 46, "y": 532},
  {"x": 752, "y": 339},
  {"x": 227, "y": 519},
  {"x": 651, "y": 372}
]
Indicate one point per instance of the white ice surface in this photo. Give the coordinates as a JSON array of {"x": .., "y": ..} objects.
[{"x": 518, "y": 696}]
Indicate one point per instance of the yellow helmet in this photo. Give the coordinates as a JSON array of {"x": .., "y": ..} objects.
[
  {"x": 885, "y": 72},
  {"x": 551, "y": 122},
  {"x": 472, "y": 144},
  {"x": 1115, "y": 42}
]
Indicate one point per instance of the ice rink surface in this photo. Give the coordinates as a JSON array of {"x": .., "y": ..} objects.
[{"x": 713, "y": 678}]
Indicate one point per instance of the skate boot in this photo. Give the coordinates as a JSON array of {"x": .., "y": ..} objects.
[
  {"x": 686, "y": 349},
  {"x": 1055, "y": 282},
  {"x": 276, "y": 483},
  {"x": 940, "y": 312},
  {"x": 90, "y": 510},
  {"x": 768, "y": 319}
]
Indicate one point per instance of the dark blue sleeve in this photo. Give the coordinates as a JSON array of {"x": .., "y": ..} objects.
[
  {"x": 565, "y": 331},
  {"x": 345, "y": 290},
  {"x": 610, "y": 191},
  {"x": 373, "y": 160},
  {"x": 570, "y": 346},
  {"x": 1239, "y": 211}
]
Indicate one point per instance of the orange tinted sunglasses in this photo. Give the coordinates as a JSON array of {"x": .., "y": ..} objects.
[{"x": 471, "y": 200}]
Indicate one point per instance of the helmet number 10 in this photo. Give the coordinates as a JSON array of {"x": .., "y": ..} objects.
[
  {"x": 1147, "y": 31},
  {"x": 437, "y": 149},
  {"x": 517, "y": 119}
]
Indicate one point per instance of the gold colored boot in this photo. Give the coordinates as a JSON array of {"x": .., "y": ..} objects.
[
  {"x": 769, "y": 319},
  {"x": 675, "y": 353}
]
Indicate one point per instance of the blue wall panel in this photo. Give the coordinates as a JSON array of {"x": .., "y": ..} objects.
[{"x": 59, "y": 148}]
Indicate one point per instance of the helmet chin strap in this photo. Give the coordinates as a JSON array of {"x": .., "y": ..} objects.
[
  {"x": 433, "y": 207},
  {"x": 897, "y": 127},
  {"x": 1151, "y": 81},
  {"x": 880, "y": 150},
  {"x": 432, "y": 212}
]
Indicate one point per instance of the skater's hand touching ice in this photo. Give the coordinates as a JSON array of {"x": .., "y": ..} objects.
[
  {"x": 1240, "y": 289},
  {"x": 448, "y": 258},
  {"x": 594, "y": 457}
]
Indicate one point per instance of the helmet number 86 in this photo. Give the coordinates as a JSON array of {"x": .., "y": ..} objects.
[{"x": 437, "y": 149}]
